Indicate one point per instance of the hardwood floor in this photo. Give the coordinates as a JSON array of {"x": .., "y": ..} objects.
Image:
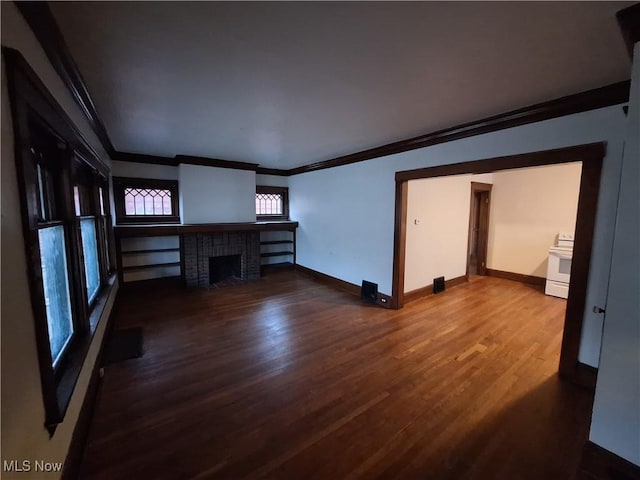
[{"x": 285, "y": 378}]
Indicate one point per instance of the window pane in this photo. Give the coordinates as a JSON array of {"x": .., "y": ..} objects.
[
  {"x": 147, "y": 201},
  {"x": 269, "y": 204},
  {"x": 101, "y": 194},
  {"x": 55, "y": 280},
  {"x": 76, "y": 200},
  {"x": 90, "y": 251}
]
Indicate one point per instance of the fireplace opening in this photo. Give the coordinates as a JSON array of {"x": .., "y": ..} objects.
[{"x": 224, "y": 268}]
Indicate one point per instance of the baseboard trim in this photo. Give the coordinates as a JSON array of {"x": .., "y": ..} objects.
[
  {"x": 598, "y": 463},
  {"x": 428, "y": 290},
  {"x": 517, "y": 277},
  {"x": 585, "y": 375},
  {"x": 75, "y": 453},
  {"x": 383, "y": 300},
  {"x": 331, "y": 281}
]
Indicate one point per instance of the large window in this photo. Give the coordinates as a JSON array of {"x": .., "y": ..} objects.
[
  {"x": 143, "y": 200},
  {"x": 66, "y": 229},
  {"x": 272, "y": 203}
]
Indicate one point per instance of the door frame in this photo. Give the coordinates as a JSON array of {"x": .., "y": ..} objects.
[
  {"x": 477, "y": 187},
  {"x": 591, "y": 156}
]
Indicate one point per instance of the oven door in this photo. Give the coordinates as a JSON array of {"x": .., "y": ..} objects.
[{"x": 559, "y": 268}]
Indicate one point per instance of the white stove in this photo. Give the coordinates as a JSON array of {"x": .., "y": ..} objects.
[{"x": 559, "y": 266}]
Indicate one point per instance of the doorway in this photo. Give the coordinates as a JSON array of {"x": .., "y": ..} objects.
[
  {"x": 478, "y": 228},
  {"x": 591, "y": 156}
]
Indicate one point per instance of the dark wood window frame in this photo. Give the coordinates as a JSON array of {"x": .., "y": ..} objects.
[
  {"x": 45, "y": 137},
  {"x": 121, "y": 183},
  {"x": 284, "y": 192}
]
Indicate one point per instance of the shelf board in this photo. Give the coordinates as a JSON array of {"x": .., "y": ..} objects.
[
  {"x": 154, "y": 250},
  {"x": 275, "y": 254},
  {"x": 274, "y": 266},
  {"x": 134, "y": 268},
  {"x": 276, "y": 242}
]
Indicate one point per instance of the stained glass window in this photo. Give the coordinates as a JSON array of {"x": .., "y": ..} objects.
[
  {"x": 269, "y": 204},
  {"x": 147, "y": 201}
]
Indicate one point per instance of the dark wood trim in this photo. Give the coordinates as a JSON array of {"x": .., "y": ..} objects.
[
  {"x": 517, "y": 277},
  {"x": 578, "y": 153},
  {"x": 73, "y": 460},
  {"x": 154, "y": 250},
  {"x": 585, "y": 375},
  {"x": 580, "y": 265},
  {"x": 399, "y": 244},
  {"x": 125, "y": 231},
  {"x": 135, "y": 268},
  {"x": 607, "y": 96},
  {"x": 276, "y": 254},
  {"x": 419, "y": 293},
  {"x": 142, "y": 158},
  {"x": 629, "y": 22},
  {"x": 45, "y": 137},
  {"x": 330, "y": 281},
  {"x": 215, "y": 162},
  {"x": 119, "y": 185},
  {"x": 43, "y": 24},
  {"x": 591, "y": 157},
  {"x": 478, "y": 187},
  {"x": 598, "y": 463},
  {"x": 272, "y": 171},
  {"x": 192, "y": 160},
  {"x": 31, "y": 88}
]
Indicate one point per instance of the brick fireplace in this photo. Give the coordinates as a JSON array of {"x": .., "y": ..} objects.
[{"x": 200, "y": 248}]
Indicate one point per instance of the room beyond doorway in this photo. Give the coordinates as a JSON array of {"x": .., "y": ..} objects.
[{"x": 591, "y": 157}]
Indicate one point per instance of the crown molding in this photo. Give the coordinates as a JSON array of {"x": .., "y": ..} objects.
[
  {"x": 39, "y": 17},
  {"x": 607, "y": 96},
  {"x": 43, "y": 24},
  {"x": 216, "y": 162},
  {"x": 629, "y": 22}
]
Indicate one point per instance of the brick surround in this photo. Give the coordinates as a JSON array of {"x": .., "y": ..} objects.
[{"x": 198, "y": 247}]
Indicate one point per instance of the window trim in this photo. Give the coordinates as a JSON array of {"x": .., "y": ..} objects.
[
  {"x": 40, "y": 123},
  {"x": 121, "y": 183},
  {"x": 284, "y": 191}
]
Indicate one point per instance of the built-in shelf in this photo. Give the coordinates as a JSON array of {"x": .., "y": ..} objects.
[
  {"x": 154, "y": 250},
  {"x": 275, "y": 254},
  {"x": 275, "y": 266},
  {"x": 160, "y": 230},
  {"x": 276, "y": 242},
  {"x": 134, "y": 268}
]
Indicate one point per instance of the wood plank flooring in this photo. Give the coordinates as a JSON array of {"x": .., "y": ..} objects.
[{"x": 286, "y": 378}]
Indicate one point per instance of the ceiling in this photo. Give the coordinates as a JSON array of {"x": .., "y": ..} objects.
[{"x": 288, "y": 84}]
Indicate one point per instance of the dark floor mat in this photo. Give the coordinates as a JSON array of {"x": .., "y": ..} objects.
[{"x": 123, "y": 345}]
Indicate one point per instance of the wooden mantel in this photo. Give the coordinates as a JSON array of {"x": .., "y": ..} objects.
[{"x": 162, "y": 230}]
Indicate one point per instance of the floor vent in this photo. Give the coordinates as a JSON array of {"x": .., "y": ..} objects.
[{"x": 438, "y": 285}]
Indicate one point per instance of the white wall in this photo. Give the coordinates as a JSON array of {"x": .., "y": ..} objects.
[
  {"x": 615, "y": 423},
  {"x": 437, "y": 244},
  {"x": 210, "y": 195},
  {"x": 144, "y": 170},
  {"x": 272, "y": 180},
  {"x": 346, "y": 213},
  {"x": 529, "y": 207},
  {"x": 23, "y": 434}
]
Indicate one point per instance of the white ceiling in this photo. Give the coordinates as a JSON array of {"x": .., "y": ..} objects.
[{"x": 287, "y": 84}]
